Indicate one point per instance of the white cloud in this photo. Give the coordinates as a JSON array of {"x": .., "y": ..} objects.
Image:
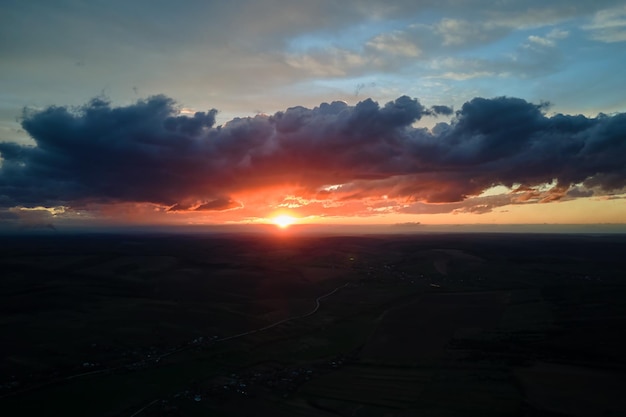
[
  {"x": 387, "y": 51},
  {"x": 330, "y": 62},
  {"x": 608, "y": 25},
  {"x": 454, "y": 31},
  {"x": 457, "y": 32},
  {"x": 463, "y": 69},
  {"x": 395, "y": 43},
  {"x": 529, "y": 18},
  {"x": 548, "y": 41},
  {"x": 462, "y": 76}
]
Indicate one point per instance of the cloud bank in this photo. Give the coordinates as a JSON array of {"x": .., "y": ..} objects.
[{"x": 322, "y": 159}]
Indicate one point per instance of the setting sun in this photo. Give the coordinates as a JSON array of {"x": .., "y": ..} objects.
[{"x": 283, "y": 221}]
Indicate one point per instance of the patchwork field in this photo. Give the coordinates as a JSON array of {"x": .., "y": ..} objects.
[{"x": 230, "y": 325}]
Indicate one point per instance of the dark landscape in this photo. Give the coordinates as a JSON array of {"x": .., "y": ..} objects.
[{"x": 490, "y": 324}]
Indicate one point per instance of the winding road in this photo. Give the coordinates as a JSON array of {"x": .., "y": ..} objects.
[
  {"x": 310, "y": 313},
  {"x": 260, "y": 329},
  {"x": 189, "y": 346}
]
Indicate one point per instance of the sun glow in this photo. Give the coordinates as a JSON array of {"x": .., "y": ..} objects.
[{"x": 283, "y": 221}]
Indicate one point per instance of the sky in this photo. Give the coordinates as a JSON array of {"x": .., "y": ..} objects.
[{"x": 353, "y": 112}]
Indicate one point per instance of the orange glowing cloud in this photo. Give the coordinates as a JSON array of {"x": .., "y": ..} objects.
[{"x": 150, "y": 162}]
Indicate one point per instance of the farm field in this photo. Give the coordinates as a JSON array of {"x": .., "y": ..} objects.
[{"x": 295, "y": 325}]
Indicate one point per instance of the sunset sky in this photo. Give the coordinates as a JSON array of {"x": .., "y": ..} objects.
[{"x": 342, "y": 112}]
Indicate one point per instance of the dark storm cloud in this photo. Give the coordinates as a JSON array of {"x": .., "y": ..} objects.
[
  {"x": 218, "y": 204},
  {"x": 149, "y": 152},
  {"x": 443, "y": 110}
]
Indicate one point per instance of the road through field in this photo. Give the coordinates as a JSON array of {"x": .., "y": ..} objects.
[
  {"x": 190, "y": 345},
  {"x": 260, "y": 329},
  {"x": 310, "y": 313}
]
